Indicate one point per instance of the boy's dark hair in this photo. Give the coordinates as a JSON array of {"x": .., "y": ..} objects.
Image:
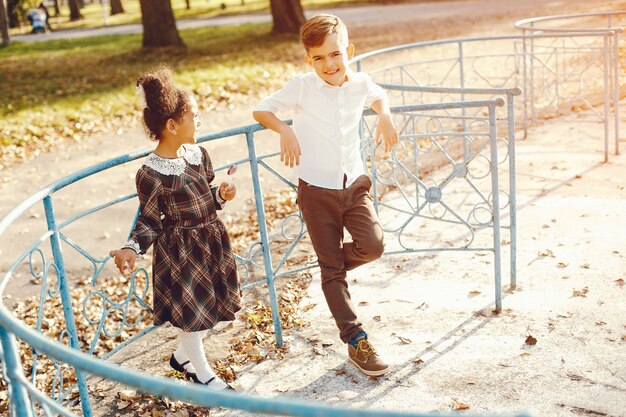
[
  {"x": 315, "y": 30},
  {"x": 164, "y": 100}
]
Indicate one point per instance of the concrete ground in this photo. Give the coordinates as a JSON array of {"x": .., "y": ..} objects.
[{"x": 431, "y": 316}]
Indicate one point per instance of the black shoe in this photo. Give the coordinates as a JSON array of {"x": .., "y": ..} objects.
[
  {"x": 228, "y": 387},
  {"x": 180, "y": 367}
]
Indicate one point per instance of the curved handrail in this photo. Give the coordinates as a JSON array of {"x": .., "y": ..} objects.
[
  {"x": 572, "y": 33},
  {"x": 529, "y": 24}
]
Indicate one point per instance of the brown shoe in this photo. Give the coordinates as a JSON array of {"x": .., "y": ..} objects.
[{"x": 365, "y": 358}]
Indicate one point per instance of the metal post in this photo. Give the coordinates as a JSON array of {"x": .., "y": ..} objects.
[
  {"x": 57, "y": 253},
  {"x": 532, "y": 75},
  {"x": 525, "y": 100},
  {"x": 616, "y": 87},
  {"x": 20, "y": 401},
  {"x": 493, "y": 140},
  {"x": 462, "y": 82},
  {"x": 512, "y": 188},
  {"x": 267, "y": 258},
  {"x": 606, "y": 98}
]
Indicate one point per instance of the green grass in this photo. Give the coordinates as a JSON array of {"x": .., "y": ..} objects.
[
  {"x": 53, "y": 91},
  {"x": 75, "y": 87}
]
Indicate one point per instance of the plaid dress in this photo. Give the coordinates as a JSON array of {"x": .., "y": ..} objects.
[{"x": 194, "y": 271}]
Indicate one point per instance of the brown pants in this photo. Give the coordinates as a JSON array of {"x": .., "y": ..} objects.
[{"x": 326, "y": 212}]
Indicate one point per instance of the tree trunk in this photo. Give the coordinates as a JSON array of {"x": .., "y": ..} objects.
[
  {"x": 4, "y": 23},
  {"x": 14, "y": 21},
  {"x": 287, "y": 16},
  {"x": 116, "y": 7},
  {"x": 57, "y": 11},
  {"x": 159, "y": 24},
  {"x": 74, "y": 10},
  {"x": 188, "y": 2}
]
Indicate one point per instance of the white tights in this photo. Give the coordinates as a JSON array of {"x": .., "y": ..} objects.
[{"x": 190, "y": 348}]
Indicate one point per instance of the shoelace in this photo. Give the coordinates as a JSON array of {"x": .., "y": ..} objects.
[{"x": 366, "y": 347}]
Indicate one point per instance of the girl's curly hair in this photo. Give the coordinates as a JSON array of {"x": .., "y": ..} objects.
[{"x": 163, "y": 100}]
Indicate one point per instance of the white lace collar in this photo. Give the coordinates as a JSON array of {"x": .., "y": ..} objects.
[{"x": 174, "y": 166}]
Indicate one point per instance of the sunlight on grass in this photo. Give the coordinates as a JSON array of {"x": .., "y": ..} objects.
[{"x": 76, "y": 87}]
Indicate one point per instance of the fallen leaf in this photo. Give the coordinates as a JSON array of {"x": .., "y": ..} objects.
[
  {"x": 531, "y": 341},
  {"x": 474, "y": 292},
  {"x": 620, "y": 282},
  {"x": 376, "y": 318},
  {"x": 580, "y": 293},
  {"x": 546, "y": 252},
  {"x": 561, "y": 265},
  {"x": 319, "y": 351},
  {"x": 122, "y": 405},
  {"x": 600, "y": 323},
  {"x": 585, "y": 266},
  {"x": 418, "y": 361},
  {"x": 363, "y": 303},
  {"x": 459, "y": 405},
  {"x": 339, "y": 371}
]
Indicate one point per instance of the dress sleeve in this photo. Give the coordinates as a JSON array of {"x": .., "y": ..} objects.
[
  {"x": 210, "y": 174},
  {"x": 150, "y": 193}
]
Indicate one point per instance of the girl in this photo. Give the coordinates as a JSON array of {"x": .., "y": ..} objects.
[{"x": 194, "y": 272}]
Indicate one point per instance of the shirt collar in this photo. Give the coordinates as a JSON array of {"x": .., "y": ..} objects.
[{"x": 321, "y": 83}]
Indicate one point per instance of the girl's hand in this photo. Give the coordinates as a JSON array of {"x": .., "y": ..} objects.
[
  {"x": 228, "y": 191},
  {"x": 122, "y": 258}
]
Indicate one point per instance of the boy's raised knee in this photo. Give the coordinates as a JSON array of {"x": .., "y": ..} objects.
[{"x": 374, "y": 250}]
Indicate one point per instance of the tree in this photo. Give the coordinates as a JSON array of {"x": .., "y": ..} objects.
[
  {"x": 287, "y": 15},
  {"x": 57, "y": 11},
  {"x": 12, "y": 10},
  {"x": 116, "y": 7},
  {"x": 74, "y": 10},
  {"x": 4, "y": 24},
  {"x": 159, "y": 24},
  {"x": 188, "y": 2}
]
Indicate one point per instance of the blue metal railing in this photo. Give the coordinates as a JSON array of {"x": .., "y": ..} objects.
[{"x": 23, "y": 392}]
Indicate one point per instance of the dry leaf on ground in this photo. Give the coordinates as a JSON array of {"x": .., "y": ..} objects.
[
  {"x": 530, "y": 341},
  {"x": 459, "y": 405}
]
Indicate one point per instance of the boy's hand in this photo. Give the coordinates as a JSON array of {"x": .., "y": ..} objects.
[
  {"x": 289, "y": 147},
  {"x": 228, "y": 191},
  {"x": 387, "y": 130},
  {"x": 125, "y": 256}
]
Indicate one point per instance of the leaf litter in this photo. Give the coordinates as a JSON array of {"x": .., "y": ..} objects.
[{"x": 252, "y": 344}]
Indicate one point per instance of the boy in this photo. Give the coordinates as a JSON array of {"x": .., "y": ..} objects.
[{"x": 333, "y": 190}]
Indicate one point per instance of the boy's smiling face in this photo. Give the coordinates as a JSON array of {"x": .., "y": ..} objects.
[{"x": 330, "y": 59}]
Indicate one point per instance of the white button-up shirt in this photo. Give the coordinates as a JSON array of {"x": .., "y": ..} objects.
[{"x": 326, "y": 122}]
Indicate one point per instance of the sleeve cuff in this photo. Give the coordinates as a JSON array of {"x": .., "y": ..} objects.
[
  {"x": 131, "y": 244},
  {"x": 218, "y": 198}
]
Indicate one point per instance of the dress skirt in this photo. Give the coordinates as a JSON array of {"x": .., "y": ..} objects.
[{"x": 195, "y": 277}]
